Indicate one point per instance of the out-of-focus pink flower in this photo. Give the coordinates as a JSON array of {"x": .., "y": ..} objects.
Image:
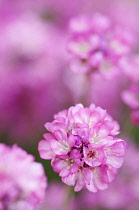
[
  {"x": 131, "y": 97},
  {"x": 22, "y": 180},
  {"x": 130, "y": 66},
  {"x": 135, "y": 117},
  {"x": 30, "y": 75},
  {"x": 62, "y": 199},
  {"x": 97, "y": 45},
  {"x": 118, "y": 11},
  {"x": 83, "y": 147}
]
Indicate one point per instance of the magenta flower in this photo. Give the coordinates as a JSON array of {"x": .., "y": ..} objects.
[
  {"x": 30, "y": 73},
  {"x": 130, "y": 67},
  {"x": 97, "y": 46},
  {"x": 22, "y": 180},
  {"x": 131, "y": 96},
  {"x": 83, "y": 148}
]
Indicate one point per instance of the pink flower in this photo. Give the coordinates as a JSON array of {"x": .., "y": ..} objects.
[
  {"x": 135, "y": 117},
  {"x": 131, "y": 96},
  {"x": 83, "y": 148},
  {"x": 130, "y": 66},
  {"x": 30, "y": 73},
  {"x": 22, "y": 180},
  {"x": 96, "y": 45}
]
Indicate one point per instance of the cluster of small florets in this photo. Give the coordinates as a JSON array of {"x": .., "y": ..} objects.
[
  {"x": 83, "y": 148},
  {"x": 22, "y": 181},
  {"x": 97, "y": 46}
]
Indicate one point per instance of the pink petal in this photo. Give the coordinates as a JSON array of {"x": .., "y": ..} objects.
[
  {"x": 70, "y": 180},
  {"x": 74, "y": 168},
  {"x": 58, "y": 148},
  {"x": 58, "y": 165},
  {"x": 48, "y": 136},
  {"x": 65, "y": 171},
  {"x": 115, "y": 161},
  {"x": 80, "y": 183},
  {"x": 100, "y": 177},
  {"x": 60, "y": 134},
  {"x": 44, "y": 150}
]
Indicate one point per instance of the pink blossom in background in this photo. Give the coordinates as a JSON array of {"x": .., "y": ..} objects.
[
  {"x": 59, "y": 13},
  {"x": 96, "y": 45},
  {"x": 22, "y": 181},
  {"x": 130, "y": 66},
  {"x": 123, "y": 192},
  {"x": 30, "y": 75},
  {"x": 131, "y": 97},
  {"x": 135, "y": 117},
  {"x": 83, "y": 147},
  {"x": 118, "y": 11}
]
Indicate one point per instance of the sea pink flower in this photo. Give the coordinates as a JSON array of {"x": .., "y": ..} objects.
[
  {"x": 22, "y": 180},
  {"x": 83, "y": 148},
  {"x": 30, "y": 75},
  {"x": 131, "y": 96},
  {"x": 96, "y": 45}
]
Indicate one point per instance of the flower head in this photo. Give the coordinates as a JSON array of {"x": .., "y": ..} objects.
[
  {"x": 96, "y": 45},
  {"x": 22, "y": 180},
  {"x": 83, "y": 147}
]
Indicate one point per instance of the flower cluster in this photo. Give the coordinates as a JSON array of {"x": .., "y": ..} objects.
[
  {"x": 28, "y": 75},
  {"x": 97, "y": 46},
  {"x": 22, "y": 181},
  {"x": 83, "y": 147}
]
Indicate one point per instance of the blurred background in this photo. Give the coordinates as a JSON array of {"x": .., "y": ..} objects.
[{"x": 36, "y": 82}]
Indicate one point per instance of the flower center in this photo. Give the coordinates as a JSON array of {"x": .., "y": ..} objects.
[{"x": 91, "y": 154}]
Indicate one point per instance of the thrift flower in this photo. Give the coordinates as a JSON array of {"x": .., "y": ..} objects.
[
  {"x": 83, "y": 148},
  {"x": 96, "y": 45},
  {"x": 29, "y": 75},
  {"x": 22, "y": 181}
]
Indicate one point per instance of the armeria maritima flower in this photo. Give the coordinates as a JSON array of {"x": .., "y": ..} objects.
[
  {"x": 97, "y": 45},
  {"x": 83, "y": 147},
  {"x": 22, "y": 181}
]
